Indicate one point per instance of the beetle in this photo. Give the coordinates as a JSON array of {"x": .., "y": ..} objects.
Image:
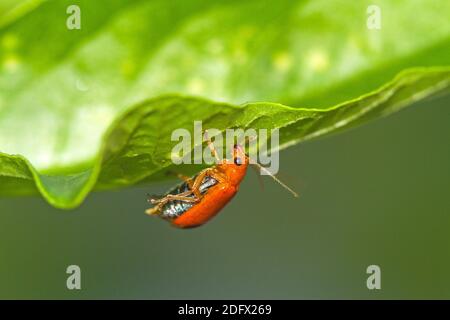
[{"x": 199, "y": 198}]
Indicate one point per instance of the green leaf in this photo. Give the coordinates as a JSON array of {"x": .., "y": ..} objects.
[{"x": 94, "y": 108}]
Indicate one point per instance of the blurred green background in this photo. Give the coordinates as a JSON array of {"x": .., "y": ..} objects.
[{"x": 384, "y": 200}]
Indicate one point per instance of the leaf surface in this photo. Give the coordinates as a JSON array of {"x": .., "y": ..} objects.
[{"x": 94, "y": 108}]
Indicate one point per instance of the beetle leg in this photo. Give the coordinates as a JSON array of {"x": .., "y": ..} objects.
[
  {"x": 152, "y": 211},
  {"x": 211, "y": 147},
  {"x": 186, "y": 179},
  {"x": 159, "y": 203},
  {"x": 198, "y": 182},
  {"x": 220, "y": 177},
  {"x": 170, "y": 197},
  {"x": 210, "y": 172},
  {"x": 180, "y": 197}
]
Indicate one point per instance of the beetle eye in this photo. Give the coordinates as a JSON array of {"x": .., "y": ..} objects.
[{"x": 237, "y": 161}]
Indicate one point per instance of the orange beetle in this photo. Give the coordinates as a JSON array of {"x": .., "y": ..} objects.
[{"x": 201, "y": 197}]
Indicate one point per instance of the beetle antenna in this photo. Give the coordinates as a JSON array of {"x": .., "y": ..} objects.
[
  {"x": 211, "y": 146},
  {"x": 248, "y": 139},
  {"x": 261, "y": 168},
  {"x": 260, "y": 180}
]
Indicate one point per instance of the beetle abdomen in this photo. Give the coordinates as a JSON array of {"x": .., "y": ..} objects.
[{"x": 176, "y": 208}]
